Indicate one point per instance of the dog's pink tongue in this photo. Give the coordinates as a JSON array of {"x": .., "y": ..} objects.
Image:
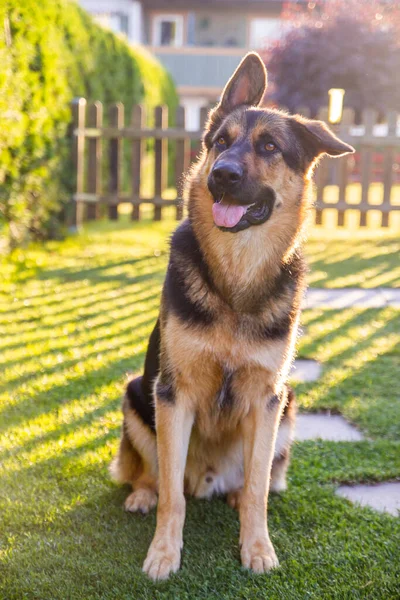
[{"x": 227, "y": 215}]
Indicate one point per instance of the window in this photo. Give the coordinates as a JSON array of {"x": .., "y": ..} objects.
[
  {"x": 264, "y": 31},
  {"x": 220, "y": 29},
  {"x": 119, "y": 23},
  {"x": 168, "y": 30}
]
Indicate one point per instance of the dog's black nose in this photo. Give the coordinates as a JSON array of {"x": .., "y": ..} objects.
[{"x": 227, "y": 174}]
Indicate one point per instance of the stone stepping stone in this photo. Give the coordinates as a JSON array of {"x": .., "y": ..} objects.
[
  {"x": 325, "y": 427},
  {"x": 305, "y": 370},
  {"x": 346, "y": 297},
  {"x": 392, "y": 296},
  {"x": 384, "y": 497}
]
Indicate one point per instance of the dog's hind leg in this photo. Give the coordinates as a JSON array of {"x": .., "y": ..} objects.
[
  {"x": 144, "y": 496},
  {"x": 127, "y": 465},
  {"x": 136, "y": 461},
  {"x": 283, "y": 445}
]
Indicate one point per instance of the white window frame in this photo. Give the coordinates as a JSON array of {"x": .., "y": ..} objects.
[{"x": 156, "y": 28}]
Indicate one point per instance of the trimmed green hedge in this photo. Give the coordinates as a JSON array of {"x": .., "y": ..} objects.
[{"x": 50, "y": 52}]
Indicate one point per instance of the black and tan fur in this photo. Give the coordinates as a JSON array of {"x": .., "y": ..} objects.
[{"x": 212, "y": 412}]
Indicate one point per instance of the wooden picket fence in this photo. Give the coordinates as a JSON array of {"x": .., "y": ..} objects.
[{"x": 99, "y": 180}]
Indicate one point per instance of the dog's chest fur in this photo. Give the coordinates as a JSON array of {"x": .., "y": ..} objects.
[{"x": 223, "y": 359}]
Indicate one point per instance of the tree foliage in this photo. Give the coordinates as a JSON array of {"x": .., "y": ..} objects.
[
  {"x": 51, "y": 51},
  {"x": 352, "y": 45}
]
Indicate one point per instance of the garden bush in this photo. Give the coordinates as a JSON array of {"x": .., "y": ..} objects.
[{"x": 50, "y": 52}]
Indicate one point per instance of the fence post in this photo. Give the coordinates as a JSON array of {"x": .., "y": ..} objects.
[
  {"x": 204, "y": 110},
  {"x": 95, "y": 120},
  {"x": 182, "y": 160},
  {"x": 138, "y": 145},
  {"x": 160, "y": 159},
  {"x": 78, "y": 109},
  {"x": 369, "y": 120},
  {"x": 321, "y": 176},
  {"x": 115, "y": 157},
  {"x": 342, "y": 167},
  {"x": 388, "y": 168}
]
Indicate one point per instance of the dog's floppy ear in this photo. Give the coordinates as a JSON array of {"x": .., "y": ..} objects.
[
  {"x": 316, "y": 139},
  {"x": 247, "y": 85}
]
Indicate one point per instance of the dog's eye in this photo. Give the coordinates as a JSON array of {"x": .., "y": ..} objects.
[
  {"x": 221, "y": 141},
  {"x": 270, "y": 147}
]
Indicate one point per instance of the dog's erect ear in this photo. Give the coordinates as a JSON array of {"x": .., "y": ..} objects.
[
  {"x": 246, "y": 86},
  {"x": 316, "y": 138}
]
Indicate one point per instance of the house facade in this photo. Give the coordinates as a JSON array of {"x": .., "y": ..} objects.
[{"x": 200, "y": 42}]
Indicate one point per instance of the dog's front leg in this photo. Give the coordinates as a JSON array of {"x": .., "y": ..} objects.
[
  {"x": 174, "y": 424},
  {"x": 259, "y": 435}
]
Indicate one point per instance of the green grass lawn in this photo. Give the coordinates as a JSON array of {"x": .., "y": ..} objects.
[{"x": 74, "y": 320}]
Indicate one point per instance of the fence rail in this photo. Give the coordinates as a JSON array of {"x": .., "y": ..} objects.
[{"x": 109, "y": 157}]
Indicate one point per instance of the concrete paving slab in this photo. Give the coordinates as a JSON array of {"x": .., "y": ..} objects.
[
  {"x": 345, "y": 298},
  {"x": 384, "y": 497},
  {"x": 305, "y": 370},
  {"x": 392, "y": 296},
  {"x": 325, "y": 427}
]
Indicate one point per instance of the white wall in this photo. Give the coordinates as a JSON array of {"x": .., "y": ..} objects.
[{"x": 105, "y": 8}]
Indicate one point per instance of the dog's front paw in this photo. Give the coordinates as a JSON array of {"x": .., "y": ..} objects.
[
  {"x": 259, "y": 555},
  {"x": 163, "y": 558}
]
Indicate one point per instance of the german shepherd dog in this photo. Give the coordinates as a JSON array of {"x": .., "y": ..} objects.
[{"x": 212, "y": 413}]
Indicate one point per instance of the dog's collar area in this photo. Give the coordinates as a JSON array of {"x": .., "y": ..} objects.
[{"x": 256, "y": 213}]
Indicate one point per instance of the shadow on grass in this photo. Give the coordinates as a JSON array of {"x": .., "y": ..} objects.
[
  {"x": 84, "y": 301},
  {"x": 105, "y": 324},
  {"x": 365, "y": 317},
  {"x": 99, "y": 273},
  {"x": 42, "y": 370},
  {"x": 153, "y": 267},
  {"x": 352, "y": 261},
  {"x": 74, "y": 389},
  {"x": 62, "y": 431},
  {"x": 92, "y": 307}
]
